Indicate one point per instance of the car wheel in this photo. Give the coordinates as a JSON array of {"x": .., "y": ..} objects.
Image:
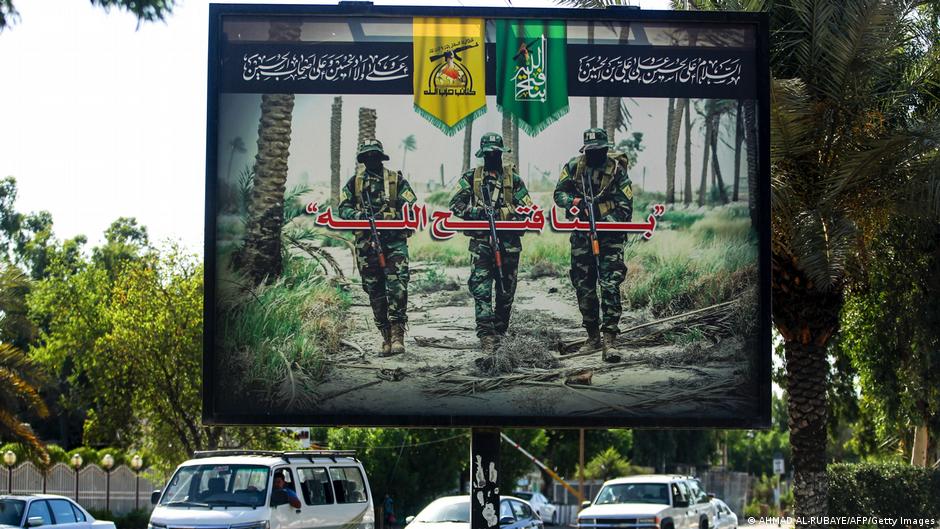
[
  {"x": 668, "y": 525},
  {"x": 554, "y": 520},
  {"x": 703, "y": 524}
]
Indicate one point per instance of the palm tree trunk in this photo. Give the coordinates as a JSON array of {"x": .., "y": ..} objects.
[
  {"x": 750, "y": 139},
  {"x": 687, "y": 195},
  {"x": 702, "y": 187},
  {"x": 806, "y": 318},
  {"x": 673, "y": 123},
  {"x": 336, "y": 126},
  {"x": 738, "y": 138},
  {"x": 467, "y": 148},
  {"x": 613, "y": 119},
  {"x": 716, "y": 168},
  {"x": 261, "y": 255},
  {"x": 367, "y": 122}
]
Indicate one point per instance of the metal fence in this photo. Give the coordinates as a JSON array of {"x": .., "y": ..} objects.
[{"x": 119, "y": 491}]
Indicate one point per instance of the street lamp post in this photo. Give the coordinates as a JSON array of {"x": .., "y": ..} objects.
[
  {"x": 76, "y": 462},
  {"x": 136, "y": 463},
  {"x": 9, "y": 459},
  {"x": 107, "y": 462}
]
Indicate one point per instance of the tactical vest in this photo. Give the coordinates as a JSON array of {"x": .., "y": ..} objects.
[
  {"x": 391, "y": 184},
  {"x": 607, "y": 177},
  {"x": 508, "y": 171}
]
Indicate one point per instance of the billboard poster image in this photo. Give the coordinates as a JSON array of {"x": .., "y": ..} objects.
[{"x": 486, "y": 217}]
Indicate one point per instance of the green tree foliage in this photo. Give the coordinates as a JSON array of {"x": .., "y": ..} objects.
[
  {"x": 413, "y": 466},
  {"x": 610, "y": 464},
  {"x": 144, "y": 10},
  {"x": 665, "y": 449},
  {"x": 891, "y": 329}
]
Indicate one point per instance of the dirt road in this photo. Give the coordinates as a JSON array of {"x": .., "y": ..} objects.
[{"x": 439, "y": 370}]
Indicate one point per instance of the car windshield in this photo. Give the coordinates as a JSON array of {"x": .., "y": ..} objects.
[
  {"x": 217, "y": 485},
  {"x": 11, "y": 511},
  {"x": 445, "y": 512},
  {"x": 634, "y": 493},
  {"x": 524, "y": 495}
]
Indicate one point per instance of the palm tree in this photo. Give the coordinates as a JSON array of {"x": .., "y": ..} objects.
[
  {"x": 19, "y": 376},
  {"x": 367, "y": 124},
  {"x": 260, "y": 257},
  {"x": 738, "y": 139},
  {"x": 846, "y": 148},
  {"x": 409, "y": 143},
  {"x": 238, "y": 146},
  {"x": 674, "y": 113},
  {"x": 687, "y": 192},
  {"x": 336, "y": 128},
  {"x": 467, "y": 149},
  {"x": 717, "y": 108}
]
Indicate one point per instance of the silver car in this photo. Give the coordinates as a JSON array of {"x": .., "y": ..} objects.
[{"x": 41, "y": 510}]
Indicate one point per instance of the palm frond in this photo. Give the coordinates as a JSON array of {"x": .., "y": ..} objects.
[
  {"x": 11, "y": 427},
  {"x": 822, "y": 243}
]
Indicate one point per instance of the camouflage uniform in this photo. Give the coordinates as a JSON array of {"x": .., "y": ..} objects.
[
  {"x": 508, "y": 192},
  {"x": 613, "y": 202},
  {"x": 387, "y": 289}
]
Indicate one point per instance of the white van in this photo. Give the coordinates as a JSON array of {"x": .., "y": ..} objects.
[{"x": 233, "y": 489}]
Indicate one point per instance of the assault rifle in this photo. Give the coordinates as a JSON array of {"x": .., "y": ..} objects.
[
  {"x": 376, "y": 242},
  {"x": 592, "y": 222},
  {"x": 488, "y": 208}
]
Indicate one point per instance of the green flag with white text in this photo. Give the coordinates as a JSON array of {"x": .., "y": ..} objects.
[{"x": 531, "y": 72}]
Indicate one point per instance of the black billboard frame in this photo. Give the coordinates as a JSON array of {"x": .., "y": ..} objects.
[{"x": 762, "y": 420}]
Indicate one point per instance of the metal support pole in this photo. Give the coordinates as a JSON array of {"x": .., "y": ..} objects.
[
  {"x": 136, "y": 490},
  {"x": 76, "y": 484},
  {"x": 107, "y": 491},
  {"x": 10, "y": 479},
  {"x": 581, "y": 464},
  {"x": 484, "y": 490}
]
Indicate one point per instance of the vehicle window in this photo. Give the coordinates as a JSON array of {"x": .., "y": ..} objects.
[
  {"x": 684, "y": 492},
  {"x": 11, "y": 511},
  {"x": 445, "y": 511},
  {"x": 62, "y": 511},
  {"x": 695, "y": 494},
  {"x": 634, "y": 493},
  {"x": 505, "y": 510},
  {"x": 315, "y": 486},
  {"x": 79, "y": 514},
  {"x": 39, "y": 508},
  {"x": 348, "y": 484},
  {"x": 211, "y": 485},
  {"x": 521, "y": 510},
  {"x": 524, "y": 495}
]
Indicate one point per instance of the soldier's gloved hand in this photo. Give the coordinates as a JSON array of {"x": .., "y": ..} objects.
[
  {"x": 389, "y": 213},
  {"x": 505, "y": 213}
]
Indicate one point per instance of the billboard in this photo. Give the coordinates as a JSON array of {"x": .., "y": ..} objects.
[{"x": 424, "y": 216}]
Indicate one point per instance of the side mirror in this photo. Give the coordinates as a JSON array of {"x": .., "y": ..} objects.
[
  {"x": 585, "y": 504},
  {"x": 507, "y": 520},
  {"x": 409, "y": 519},
  {"x": 155, "y": 497},
  {"x": 34, "y": 521},
  {"x": 711, "y": 495}
]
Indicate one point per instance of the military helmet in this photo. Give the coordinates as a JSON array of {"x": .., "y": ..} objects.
[
  {"x": 370, "y": 146},
  {"x": 595, "y": 138},
  {"x": 491, "y": 141}
]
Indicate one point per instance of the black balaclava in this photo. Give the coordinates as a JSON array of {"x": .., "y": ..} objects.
[
  {"x": 493, "y": 160},
  {"x": 373, "y": 162},
  {"x": 595, "y": 158}
]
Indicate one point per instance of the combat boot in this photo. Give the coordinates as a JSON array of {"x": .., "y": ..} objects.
[
  {"x": 488, "y": 344},
  {"x": 398, "y": 338},
  {"x": 608, "y": 341},
  {"x": 386, "y": 342},
  {"x": 592, "y": 344}
]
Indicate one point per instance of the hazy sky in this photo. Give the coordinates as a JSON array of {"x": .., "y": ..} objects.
[{"x": 102, "y": 119}]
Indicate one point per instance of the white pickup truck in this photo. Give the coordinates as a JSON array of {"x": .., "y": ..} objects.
[{"x": 648, "y": 502}]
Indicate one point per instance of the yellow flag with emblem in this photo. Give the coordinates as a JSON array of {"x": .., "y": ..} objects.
[{"x": 449, "y": 71}]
